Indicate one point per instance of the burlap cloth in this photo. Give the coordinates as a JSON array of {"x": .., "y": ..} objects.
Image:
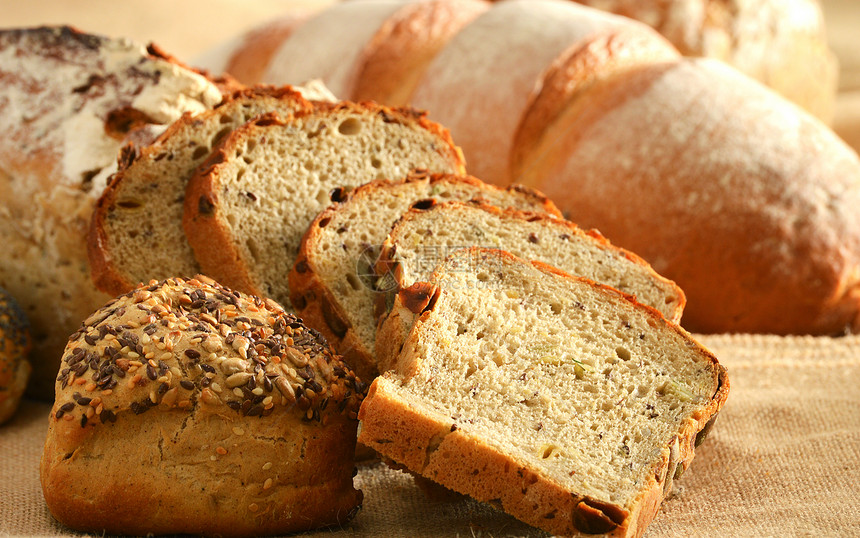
[{"x": 782, "y": 460}]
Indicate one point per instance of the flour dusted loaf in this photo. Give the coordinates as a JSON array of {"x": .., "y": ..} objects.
[
  {"x": 183, "y": 407},
  {"x": 425, "y": 235},
  {"x": 136, "y": 231},
  {"x": 333, "y": 286},
  {"x": 562, "y": 402},
  {"x": 249, "y": 204},
  {"x": 68, "y": 102},
  {"x": 14, "y": 347}
]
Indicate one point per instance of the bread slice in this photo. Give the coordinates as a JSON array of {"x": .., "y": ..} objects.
[
  {"x": 333, "y": 286},
  {"x": 562, "y": 402},
  {"x": 424, "y": 236},
  {"x": 247, "y": 208},
  {"x": 136, "y": 231}
]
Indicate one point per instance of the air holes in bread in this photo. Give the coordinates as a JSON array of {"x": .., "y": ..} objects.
[
  {"x": 349, "y": 127},
  {"x": 354, "y": 283},
  {"x": 623, "y": 353},
  {"x": 556, "y": 308},
  {"x": 219, "y": 135},
  {"x": 324, "y": 222},
  {"x": 199, "y": 153},
  {"x": 375, "y": 162},
  {"x": 130, "y": 204},
  {"x": 483, "y": 277}
]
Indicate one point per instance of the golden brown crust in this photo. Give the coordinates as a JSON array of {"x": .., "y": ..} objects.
[
  {"x": 393, "y": 61},
  {"x": 575, "y": 71},
  {"x": 430, "y": 444},
  {"x": 245, "y": 413},
  {"x": 313, "y": 300},
  {"x": 249, "y": 61}
]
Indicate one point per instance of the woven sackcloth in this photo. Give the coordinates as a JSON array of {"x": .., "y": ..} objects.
[{"x": 782, "y": 460}]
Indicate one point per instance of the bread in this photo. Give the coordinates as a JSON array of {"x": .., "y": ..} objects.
[
  {"x": 562, "y": 402},
  {"x": 186, "y": 408},
  {"x": 781, "y": 44},
  {"x": 136, "y": 231},
  {"x": 380, "y": 51},
  {"x": 749, "y": 204},
  {"x": 14, "y": 347},
  {"x": 424, "y": 236},
  {"x": 526, "y": 81},
  {"x": 332, "y": 284},
  {"x": 68, "y": 102},
  {"x": 249, "y": 205}
]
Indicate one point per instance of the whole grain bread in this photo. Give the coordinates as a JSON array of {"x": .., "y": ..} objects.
[
  {"x": 562, "y": 402},
  {"x": 183, "y": 407},
  {"x": 136, "y": 231},
  {"x": 68, "y": 103},
  {"x": 14, "y": 347},
  {"x": 333, "y": 286},
  {"x": 424, "y": 236},
  {"x": 248, "y": 206}
]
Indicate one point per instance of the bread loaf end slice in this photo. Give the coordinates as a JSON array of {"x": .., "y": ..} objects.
[
  {"x": 333, "y": 286},
  {"x": 247, "y": 208},
  {"x": 136, "y": 231},
  {"x": 562, "y": 402}
]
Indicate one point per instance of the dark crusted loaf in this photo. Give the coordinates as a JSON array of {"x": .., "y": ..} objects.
[{"x": 221, "y": 411}]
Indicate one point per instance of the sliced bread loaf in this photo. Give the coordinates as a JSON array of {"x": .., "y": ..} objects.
[
  {"x": 425, "y": 235},
  {"x": 248, "y": 206},
  {"x": 333, "y": 286},
  {"x": 136, "y": 231},
  {"x": 562, "y": 402}
]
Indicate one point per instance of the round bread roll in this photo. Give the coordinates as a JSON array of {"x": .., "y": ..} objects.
[
  {"x": 184, "y": 407},
  {"x": 14, "y": 346}
]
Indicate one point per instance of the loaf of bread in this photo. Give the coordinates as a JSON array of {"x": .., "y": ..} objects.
[
  {"x": 183, "y": 407},
  {"x": 333, "y": 286},
  {"x": 136, "y": 231},
  {"x": 68, "y": 102},
  {"x": 424, "y": 236},
  {"x": 723, "y": 186},
  {"x": 14, "y": 348},
  {"x": 561, "y": 402},
  {"x": 249, "y": 204},
  {"x": 781, "y": 44}
]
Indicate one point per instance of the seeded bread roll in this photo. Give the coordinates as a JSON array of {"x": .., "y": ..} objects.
[
  {"x": 184, "y": 407},
  {"x": 560, "y": 401},
  {"x": 333, "y": 286},
  {"x": 14, "y": 347}
]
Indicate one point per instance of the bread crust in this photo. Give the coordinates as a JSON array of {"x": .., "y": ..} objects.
[
  {"x": 212, "y": 240},
  {"x": 318, "y": 305},
  {"x": 392, "y": 62},
  {"x": 250, "y": 59},
  {"x": 430, "y": 444},
  {"x": 577, "y": 70},
  {"x": 760, "y": 190}
]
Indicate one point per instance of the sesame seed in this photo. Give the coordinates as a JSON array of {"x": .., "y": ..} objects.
[
  {"x": 267, "y": 484},
  {"x": 253, "y": 507},
  {"x": 238, "y": 431},
  {"x": 221, "y": 450},
  {"x": 267, "y": 466}
]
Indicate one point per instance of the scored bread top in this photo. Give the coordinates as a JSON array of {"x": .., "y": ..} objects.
[
  {"x": 333, "y": 286},
  {"x": 136, "y": 231},
  {"x": 425, "y": 235},
  {"x": 563, "y": 402},
  {"x": 187, "y": 344},
  {"x": 249, "y": 205}
]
